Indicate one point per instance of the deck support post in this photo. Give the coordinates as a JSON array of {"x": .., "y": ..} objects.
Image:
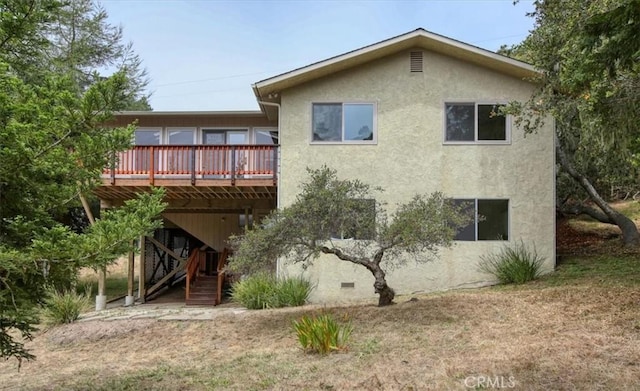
[
  {"x": 142, "y": 275},
  {"x": 128, "y": 300},
  {"x": 101, "y": 298}
]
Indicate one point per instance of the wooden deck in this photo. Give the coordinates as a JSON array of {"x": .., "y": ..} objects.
[{"x": 193, "y": 171}]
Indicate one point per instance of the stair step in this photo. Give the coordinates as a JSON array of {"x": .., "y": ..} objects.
[
  {"x": 201, "y": 301},
  {"x": 203, "y": 292},
  {"x": 204, "y": 286}
]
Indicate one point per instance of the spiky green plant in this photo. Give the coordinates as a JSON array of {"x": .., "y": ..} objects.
[
  {"x": 322, "y": 333},
  {"x": 64, "y": 306},
  {"x": 515, "y": 263},
  {"x": 263, "y": 290}
]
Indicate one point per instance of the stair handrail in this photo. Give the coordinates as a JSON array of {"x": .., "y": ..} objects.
[
  {"x": 193, "y": 264},
  {"x": 222, "y": 262}
]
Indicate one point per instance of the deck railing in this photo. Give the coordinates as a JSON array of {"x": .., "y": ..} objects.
[{"x": 197, "y": 161}]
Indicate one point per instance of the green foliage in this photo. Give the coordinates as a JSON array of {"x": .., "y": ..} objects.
[
  {"x": 587, "y": 52},
  {"x": 514, "y": 263},
  {"x": 343, "y": 218},
  {"x": 262, "y": 290},
  {"x": 53, "y": 110},
  {"x": 322, "y": 333},
  {"x": 65, "y": 306}
]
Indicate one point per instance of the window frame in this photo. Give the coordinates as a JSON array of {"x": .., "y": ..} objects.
[
  {"x": 371, "y": 208},
  {"x": 374, "y": 138},
  {"x": 159, "y": 129},
  {"x": 169, "y": 129},
  {"x": 508, "y": 122},
  {"x": 225, "y": 131},
  {"x": 475, "y": 217}
]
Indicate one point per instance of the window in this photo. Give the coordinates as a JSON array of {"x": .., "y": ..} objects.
[
  {"x": 343, "y": 122},
  {"x": 356, "y": 221},
  {"x": 491, "y": 220},
  {"x": 475, "y": 122},
  {"x": 145, "y": 137},
  {"x": 266, "y": 137}
]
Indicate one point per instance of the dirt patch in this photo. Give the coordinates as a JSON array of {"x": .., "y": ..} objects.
[
  {"x": 569, "y": 240},
  {"x": 92, "y": 331}
]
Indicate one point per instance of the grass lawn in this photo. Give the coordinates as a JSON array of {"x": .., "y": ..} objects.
[
  {"x": 576, "y": 329},
  {"x": 116, "y": 282}
]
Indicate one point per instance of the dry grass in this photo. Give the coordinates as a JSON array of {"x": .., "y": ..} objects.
[
  {"x": 577, "y": 333},
  {"x": 577, "y": 329}
]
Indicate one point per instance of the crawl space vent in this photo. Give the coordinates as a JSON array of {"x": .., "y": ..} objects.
[
  {"x": 348, "y": 285},
  {"x": 416, "y": 61}
]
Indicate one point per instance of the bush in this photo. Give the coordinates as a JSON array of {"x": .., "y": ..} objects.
[
  {"x": 513, "y": 264},
  {"x": 322, "y": 334},
  {"x": 262, "y": 290},
  {"x": 293, "y": 292},
  {"x": 64, "y": 307}
]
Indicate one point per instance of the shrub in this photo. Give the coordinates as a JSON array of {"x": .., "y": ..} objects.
[
  {"x": 322, "y": 333},
  {"x": 266, "y": 291},
  {"x": 514, "y": 263},
  {"x": 64, "y": 306},
  {"x": 293, "y": 292}
]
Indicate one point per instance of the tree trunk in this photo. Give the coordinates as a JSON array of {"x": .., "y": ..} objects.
[
  {"x": 630, "y": 235},
  {"x": 386, "y": 293}
]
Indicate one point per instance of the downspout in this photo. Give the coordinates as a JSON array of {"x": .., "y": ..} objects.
[{"x": 279, "y": 170}]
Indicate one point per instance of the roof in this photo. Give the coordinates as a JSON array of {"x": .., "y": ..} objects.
[
  {"x": 268, "y": 89},
  {"x": 248, "y": 113}
]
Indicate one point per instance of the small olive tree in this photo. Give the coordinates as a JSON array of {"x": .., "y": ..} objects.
[{"x": 343, "y": 218}]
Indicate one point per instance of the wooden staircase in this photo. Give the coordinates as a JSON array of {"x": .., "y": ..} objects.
[
  {"x": 201, "y": 289},
  {"x": 204, "y": 291}
]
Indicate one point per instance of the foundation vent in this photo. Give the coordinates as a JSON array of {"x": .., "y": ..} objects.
[
  {"x": 347, "y": 285},
  {"x": 415, "y": 61}
]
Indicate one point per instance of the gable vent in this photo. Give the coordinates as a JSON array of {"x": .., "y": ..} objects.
[{"x": 416, "y": 61}]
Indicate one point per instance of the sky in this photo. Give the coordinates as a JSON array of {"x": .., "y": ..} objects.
[{"x": 204, "y": 55}]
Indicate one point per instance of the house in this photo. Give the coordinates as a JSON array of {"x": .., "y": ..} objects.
[{"x": 412, "y": 114}]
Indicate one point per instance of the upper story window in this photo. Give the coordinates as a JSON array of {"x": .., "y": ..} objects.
[
  {"x": 225, "y": 136},
  {"x": 147, "y": 136},
  {"x": 491, "y": 219},
  {"x": 476, "y": 123},
  {"x": 343, "y": 123}
]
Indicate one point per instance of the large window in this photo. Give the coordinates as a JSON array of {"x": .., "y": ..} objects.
[
  {"x": 491, "y": 219},
  {"x": 475, "y": 122},
  {"x": 357, "y": 220},
  {"x": 343, "y": 122}
]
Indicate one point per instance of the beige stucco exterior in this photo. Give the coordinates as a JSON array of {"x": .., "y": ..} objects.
[{"x": 410, "y": 157}]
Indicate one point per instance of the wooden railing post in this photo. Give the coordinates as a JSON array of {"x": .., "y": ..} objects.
[
  {"x": 193, "y": 165},
  {"x": 113, "y": 167},
  {"x": 233, "y": 165},
  {"x": 152, "y": 167}
]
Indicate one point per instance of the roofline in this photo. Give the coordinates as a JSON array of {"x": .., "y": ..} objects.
[
  {"x": 420, "y": 33},
  {"x": 161, "y": 113}
]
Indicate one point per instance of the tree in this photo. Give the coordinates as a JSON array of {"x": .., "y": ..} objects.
[
  {"x": 587, "y": 52},
  {"x": 328, "y": 208},
  {"x": 83, "y": 43},
  {"x": 53, "y": 148}
]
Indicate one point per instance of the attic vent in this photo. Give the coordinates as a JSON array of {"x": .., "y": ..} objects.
[{"x": 416, "y": 61}]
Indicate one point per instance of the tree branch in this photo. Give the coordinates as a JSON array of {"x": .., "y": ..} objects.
[
  {"x": 346, "y": 257},
  {"x": 579, "y": 208}
]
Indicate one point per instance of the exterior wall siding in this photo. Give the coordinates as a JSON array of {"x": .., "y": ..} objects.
[
  {"x": 410, "y": 158},
  {"x": 195, "y": 120}
]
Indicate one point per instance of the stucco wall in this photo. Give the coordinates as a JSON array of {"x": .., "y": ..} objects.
[{"x": 410, "y": 157}]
